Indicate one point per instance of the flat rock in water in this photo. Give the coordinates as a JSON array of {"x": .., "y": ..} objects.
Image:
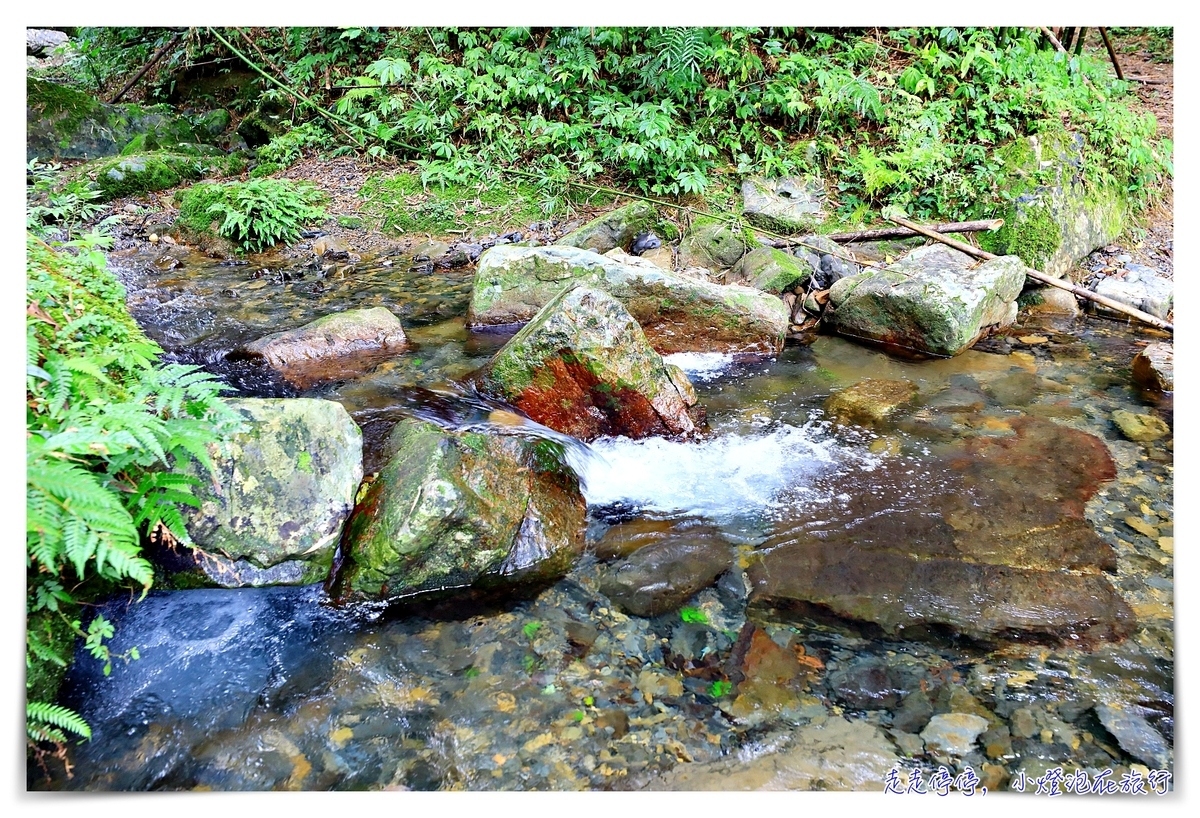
[
  {"x": 584, "y": 367},
  {"x": 467, "y": 511},
  {"x": 870, "y": 401},
  {"x": 933, "y": 301},
  {"x": 1154, "y": 367},
  {"x": 1141, "y": 428},
  {"x": 335, "y": 346},
  {"x": 678, "y": 312},
  {"x": 837, "y": 754},
  {"x": 787, "y": 205},
  {"x": 662, "y": 576},
  {"x": 287, "y": 487},
  {"x": 953, "y": 733},
  {"x": 978, "y": 551},
  {"x": 1136, "y": 736}
]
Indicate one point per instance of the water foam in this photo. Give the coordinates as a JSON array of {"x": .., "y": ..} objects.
[
  {"x": 700, "y": 366},
  {"x": 729, "y": 476}
]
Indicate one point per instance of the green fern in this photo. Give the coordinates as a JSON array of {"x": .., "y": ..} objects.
[{"x": 45, "y": 722}]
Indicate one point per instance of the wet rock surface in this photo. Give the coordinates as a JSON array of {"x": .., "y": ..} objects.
[
  {"x": 287, "y": 485},
  {"x": 932, "y": 301},
  {"x": 334, "y": 346},
  {"x": 1154, "y": 367},
  {"x": 870, "y": 401},
  {"x": 678, "y": 313},
  {"x": 458, "y": 510},
  {"x": 664, "y": 573},
  {"x": 584, "y": 367}
]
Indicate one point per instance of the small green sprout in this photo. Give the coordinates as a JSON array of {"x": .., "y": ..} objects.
[
  {"x": 720, "y": 688},
  {"x": 690, "y": 614},
  {"x": 588, "y": 701},
  {"x": 577, "y": 715},
  {"x": 531, "y": 628}
]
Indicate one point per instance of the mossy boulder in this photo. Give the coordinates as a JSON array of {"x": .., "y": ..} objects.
[
  {"x": 62, "y": 123},
  {"x": 130, "y": 175},
  {"x": 287, "y": 485},
  {"x": 1142, "y": 428},
  {"x": 711, "y": 244},
  {"x": 461, "y": 510},
  {"x": 583, "y": 366},
  {"x": 788, "y": 205},
  {"x": 1057, "y": 216},
  {"x": 770, "y": 270},
  {"x": 931, "y": 302},
  {"x": 617, "y": 228},
  {"x": 678, "y": 313},
  {"x": 334, "y": 346}
]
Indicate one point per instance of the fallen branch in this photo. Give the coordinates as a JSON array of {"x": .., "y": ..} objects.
[
  {"x": 1112, "y": 54},
  {"x": 157, "y": 56},
  {"x": 1038, "y": 275}
]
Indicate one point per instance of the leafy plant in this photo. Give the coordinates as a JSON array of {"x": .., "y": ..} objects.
[
  {"x": 720, "y": 688},
  {"x": 57, "y": 207},
  {"x": 255, "y": 214},
  {"x": 108, "y": 431},
  {"x": 689, "y": 614}
]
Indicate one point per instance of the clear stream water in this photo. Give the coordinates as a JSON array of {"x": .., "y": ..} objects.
[{"x": 274, "y": 689}]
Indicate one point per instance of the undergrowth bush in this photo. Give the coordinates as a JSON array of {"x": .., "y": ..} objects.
[
  {"x": 107, "y": 427},
  {"x": 255, "y": 214}
]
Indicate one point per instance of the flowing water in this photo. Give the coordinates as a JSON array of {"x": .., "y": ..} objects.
[{"x": 274, "y": 689}]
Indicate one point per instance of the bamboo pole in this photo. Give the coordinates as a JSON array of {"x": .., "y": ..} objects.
[
  {"x": 1038, "y": 275},
  {"x": 877, "y": 233},
  {"x": 1112, "y": 54},
  {"x": 157, "y": 56}
]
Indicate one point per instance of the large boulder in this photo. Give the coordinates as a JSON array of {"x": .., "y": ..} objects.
[
  {"x": 583, "y": 366},
  {"x": 287, "y": 484},
  {"x": 617, "y": 228},
  {"x": 788, "y": 205},
  {"x": 458, "y": 510},
  {"x": 998, "y": 522},
  {"x": 711, "y": 244},
  {"x": 679, "y": 313},
  {"x": 141, "y": 172},
  {"x": 770, "y": 270},
  {"x": 333, "y": 346},
  {"x": 1057, "y": 216},
  {"x": 62, "y": 123},
  {"x": 930, "y": 302}
]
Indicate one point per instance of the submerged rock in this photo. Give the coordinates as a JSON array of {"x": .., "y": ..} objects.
[
  {"x": 770, "y": 270},
  {"x": 929, "y": 302},
  {"x": 678, "y": 312},
  {"x": 287, "y": 486},
  {"x": 1154, "y": 367},
  {"x": 978, "y": 551},
  {"x": 1142, "y": 428},
  {"x": 617, "y": 228},
  {"x": 660, "y": 577},
  {"x": 871, "y": 401},
  {"x": 787, "y": 205},
  {"x": 583, "y": 367},
  {"x": 1136, "y": 736},
  {"x": 457, "y": 511},
  {"x": 334, "y": 346},
  {"x": 953, "y": 733}
]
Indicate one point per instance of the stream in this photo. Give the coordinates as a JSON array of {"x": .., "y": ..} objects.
[{"x": 273, "y": 688}]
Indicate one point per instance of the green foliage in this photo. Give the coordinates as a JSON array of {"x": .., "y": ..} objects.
[
  {"x": 530, "y": 629},
  {"x": 46, "y": 722},
  {"x": 55, "y": 205},
  {"x": 689, "y": 614},
  {"x": 289, "y": 146},
  {"x": 106, "y": 430},
  {"x": 405, "y": 203},
  {"x": 254, "y": 215},
  {"x": 720, "y": 688}
]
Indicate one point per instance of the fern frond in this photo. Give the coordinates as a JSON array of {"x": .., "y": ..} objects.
[{"x": 40, "y": 715}]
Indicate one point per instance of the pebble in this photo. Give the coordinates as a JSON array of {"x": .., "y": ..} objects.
[{"x": 953, "y": 733}]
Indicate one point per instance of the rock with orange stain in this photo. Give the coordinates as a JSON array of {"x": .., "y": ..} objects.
[
  {"x": 583, "y": 366},
  {"x": 678, "y": 312}
]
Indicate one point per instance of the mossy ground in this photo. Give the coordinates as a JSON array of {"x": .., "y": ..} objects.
[{"x": 400, "y": 204}]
